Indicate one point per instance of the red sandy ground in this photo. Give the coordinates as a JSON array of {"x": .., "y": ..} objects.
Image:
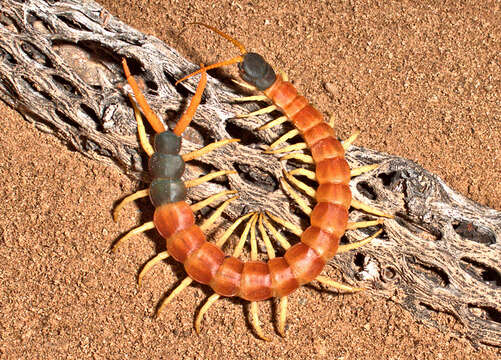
[{"x": 419, "y": 81}]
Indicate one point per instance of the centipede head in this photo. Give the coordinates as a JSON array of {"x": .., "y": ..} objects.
[{"x": 253, "y": 68}]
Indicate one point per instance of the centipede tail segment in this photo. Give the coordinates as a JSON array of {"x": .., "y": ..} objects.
[{"x": 304, "y": 261}]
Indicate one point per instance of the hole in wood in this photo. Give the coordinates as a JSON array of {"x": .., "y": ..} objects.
[
  {"x": 485, "y": 312},
  {"x": 35, "y": 54},
  {"x": 430, "y": 272},
  {"x": 390, "y": 179},
  {"x": 66, "y": 86},
  {"x": 246, "y": 137},
  {"x": 72, "y": 23},
  {"x": 481, "y": 272},
  {"x": 30, "y": 85},
  {"x": 366, "y": 190},
  {"x": 470, "y": 231},
  {"x": 256, "y": 177}
]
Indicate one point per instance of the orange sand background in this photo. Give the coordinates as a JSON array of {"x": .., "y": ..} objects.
[{"x": 419, "y": 81}]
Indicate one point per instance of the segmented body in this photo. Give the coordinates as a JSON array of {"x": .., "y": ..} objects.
[{"x": 205, "y": 263}]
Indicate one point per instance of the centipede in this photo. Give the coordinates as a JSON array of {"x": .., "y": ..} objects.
[{"x": 204, "y": 261}]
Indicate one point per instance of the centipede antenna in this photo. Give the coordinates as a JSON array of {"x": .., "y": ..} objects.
[
  {"x": 234, "y": 60},
  {"x": 226, "y": 36},
  {"x": 152, "y": 118},
  {"x": 186, "y": 118}
]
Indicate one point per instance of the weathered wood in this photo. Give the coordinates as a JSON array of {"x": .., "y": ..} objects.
[{"x": 60, "y": 67}]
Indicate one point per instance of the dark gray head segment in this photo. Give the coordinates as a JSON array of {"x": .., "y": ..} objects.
[{"x": 256, "y": 71}]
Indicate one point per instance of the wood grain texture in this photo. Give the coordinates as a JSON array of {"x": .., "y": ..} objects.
[{"x": 60, "y": 67}]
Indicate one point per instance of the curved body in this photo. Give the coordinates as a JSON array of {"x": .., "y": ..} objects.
[{"x": 205, "y": 263}]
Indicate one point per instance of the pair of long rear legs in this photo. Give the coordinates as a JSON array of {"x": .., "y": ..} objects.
[{"x": 262, "y": 221}]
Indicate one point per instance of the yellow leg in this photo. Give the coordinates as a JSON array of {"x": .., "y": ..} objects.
[
  {"x": 332, "y": 121},
  {"x": 369, "y": 209},
  {"x": 262, "y": 111},
  {"x": 273, "y": 123},
  {"x": 152, "y": 262},
  {"x": 269, "y": 247},
  {"x": 304, "y": 172},
  {"x": 222, "y": 240},
  {"x": 140, "y": 229},
  {"x": 210, "y": 301},
  {"x": 137, "y": 195},
  {"x": 307, "y": 159},
  {"x": 143, "y": 138},
  {"x": 250, "y": 98},
  {"x": 336, "y": 285},
  {"x": 288, "y": 148},
  {"x": 295, "y": 196},
  {"x": 183, "y": 285},
  {"x": 308, "y": 190},
  {"x": 363, "y": 169},
  {"x": 201, "y": 204},
  {"x": 281, "y": 239},
  {"x": 282, "y": 316},
  {"x": 207, "y": 223},
  {"x": 207, "y": 149},
  {"x": 347, "y": 143},
  {"x": 253, "y": 241},
  {"x": 255, "y": 321},
  {"x": 285, "y": 77},
  {"x": 356, "y": 245},
  {"x": 208, "y": 177},
  {"x": 288, "y": 135},
  {"x": 244, "y": 85},
  {"x": 364, "y": 224},
  {"x": 243, "y": 237}
]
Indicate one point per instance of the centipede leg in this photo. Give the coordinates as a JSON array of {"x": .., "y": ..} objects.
[
  {"x": 336, "y": 285},
  {"x": 288, "y": 148},
  {"x": 369, "y": 209},
  {"x": 140, "y": 229},
  {"x": 183, "y": 285},
  {"x": 143, "y": 138},
  {"x": 348, "y": 142},
  {"x": 216, "y": 214},
  {"x": 280, "y": 238},
  {"x": 214, "y": 297},
  {"x": 211, "y": 300},
  {"x": 208, "y": 177},
  {"x": 288, "y": 135},
  {"x": 207, "y": 149},
  {"x": 307, "y": 159},
  {"x": 201, "y": 204},
  {"x": 296, "y": 230},
  {"x": 300, "y": 185},
  {"x": 273, "y": 123},
  {"x": 128, "y": 199},
  {"x": 152, "y": 262},
  {"x": 250, "y": 98},
  {"x": 363, "y": 169},
  {"x": 295, "y": 196},
  {"x": 244, "y": 85},
  {"x": 356, "y": 245},
  {"x": 265, "y": 110},
  {"x": 271, "y": 254},
  {"x": 283, "y": 316}
]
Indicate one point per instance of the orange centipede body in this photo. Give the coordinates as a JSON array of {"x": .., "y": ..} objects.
[{"x": 204, "y": 261}]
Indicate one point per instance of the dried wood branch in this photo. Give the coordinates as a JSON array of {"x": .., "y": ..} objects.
[{"x": 60, "y": 67}]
